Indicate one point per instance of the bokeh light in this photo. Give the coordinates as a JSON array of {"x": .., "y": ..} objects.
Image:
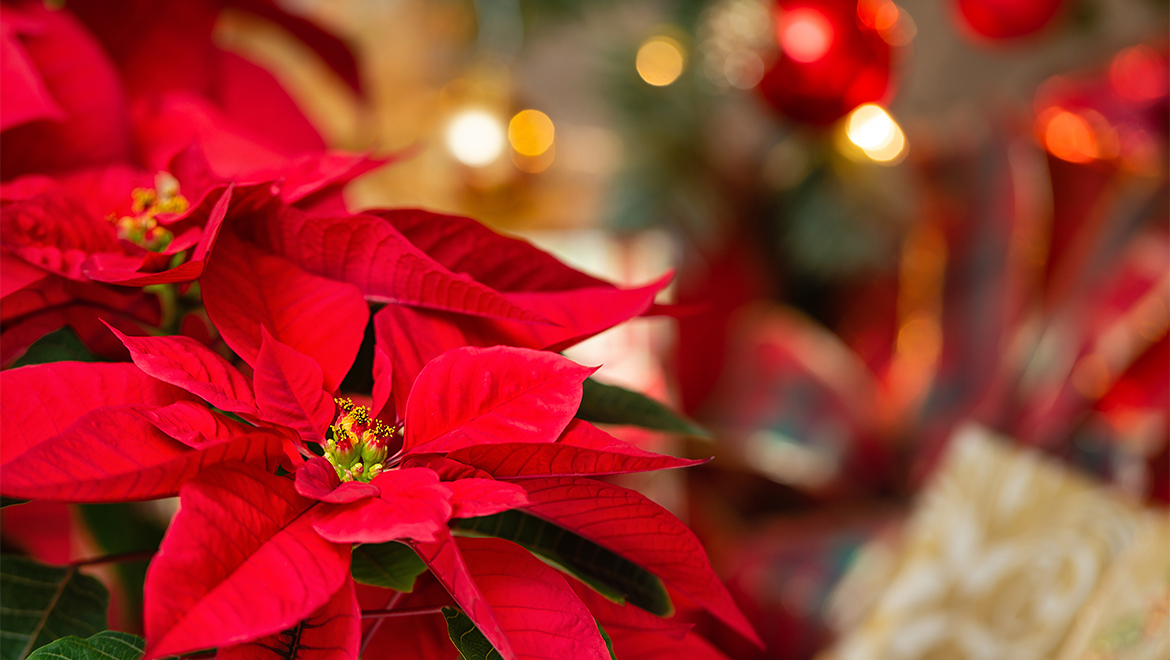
[
  {"x": 879, "y": 136},
  {"x": 475, "y": 138},
  {"x": 1068, "y": 136},
  {"x": 531, "y": 132},
  {"x": 804, "y": 35},
  {"x": 1139, "y": 74},
  {"x": 660, "y": 61}
]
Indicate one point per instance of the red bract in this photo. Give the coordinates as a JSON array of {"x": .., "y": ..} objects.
[{"x": 292, "y": 534}]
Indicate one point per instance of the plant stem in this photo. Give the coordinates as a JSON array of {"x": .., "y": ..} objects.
[
  {"x": 137, "y": 555},
  {"x": 414, "y": 611},
  {"x": 378, "y": 623}
]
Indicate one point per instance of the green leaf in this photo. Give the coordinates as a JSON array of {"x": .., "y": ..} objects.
[
  {"x": 39, "y": 604},
  {"x": 607, "y": 572},
  {"x": 108, "y": 645},
  {"x": 608, "y": 641},
  {"x": 10, "y": 501},
  {"x": 57, "y": 346},
  {"x": 469, "y": 641},
  {"x": 610, "y": 404},
  {"x": 391, "y": 565},
  {"x": 121, "y": 528}
]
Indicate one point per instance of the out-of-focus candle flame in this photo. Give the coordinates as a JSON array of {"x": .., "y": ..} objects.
[
  {"x": 660, "y": 61},
  {"x": 475, "y": 137}
]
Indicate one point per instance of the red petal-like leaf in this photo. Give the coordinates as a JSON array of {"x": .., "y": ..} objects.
[
  {"x": 333, "y": 632},
  {"x": 368, "y": 252},
  {"x": 56, "y": 232},
  {"x": 471, "y": 396},
  {"x": 629, "y": 524},
  {"x": 288, "y": 390},
  {"x": 413, "y": 337},
  {"x": 240, "y": 561},
  {"x": 483, "y": 497},
  {"x": 412, "y": 504},
  {"x": 194, "y": 424},
  {"x": 611, "y": 615},
  {"x": 184, "y": 362},
  {"x": 28, "y": 100},
  {"x": 16, "y": 273},
  {"x": 317, "y": 479},
  {"x": 582, "y": 450},
  {"x": 641, "y": 645},
  {"x": 535, "y": 606},
  {"x": 463, "y": 245},
  {"x": 447, "y": 565},
  {"x": 118, "y": 454},
  {"x": 245, "y": 288},
  {"x": 42, "y": 400}
]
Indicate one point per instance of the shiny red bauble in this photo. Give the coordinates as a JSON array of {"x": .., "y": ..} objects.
[
  {"x": 1008, "y": 19},
  {"x": 828, "y": 63}
]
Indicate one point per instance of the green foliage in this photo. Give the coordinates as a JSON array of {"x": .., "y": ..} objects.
[
  {"x": 122, "y": 528},
  {"x": 608, "y": 573},
  {"x": 57, "y": 346},
  {"x": 41, "y": 603},
  {"x": 610, "y": 404},
  {"x": 470, "y": 642},
  {"x": 108, "y": 645},
  {"x": 608, "y": 641},
  {"x": 391, "y": 565}
]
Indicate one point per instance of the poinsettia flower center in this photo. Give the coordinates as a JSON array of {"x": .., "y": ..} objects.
[
  {"x": 142, "y": 228},
  {"x": 356, "y": 445}
]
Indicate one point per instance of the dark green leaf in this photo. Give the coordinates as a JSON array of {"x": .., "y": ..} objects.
[
  {"x": 608, "y": 641},
  {"x": 122, "y": 528},
  {"x": 391, "y": 565},
  {"x": 41, "y": 603},
  {"x": 607, "y": 572},
  {"x": 610, "y": 404},
  {"x": 470, "y": 642},
  {"x": 108, "y": 645},
  {"x": 57, "y": 346},
  {"x": 10, "y": 501}
]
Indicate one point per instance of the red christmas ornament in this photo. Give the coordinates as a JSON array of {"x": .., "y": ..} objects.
[
  {"x": 829, "y": 61},
  {"x": 1007, "y": 19}
]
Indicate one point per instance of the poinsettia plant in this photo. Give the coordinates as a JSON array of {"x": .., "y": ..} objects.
[{"x": 376, "y": 447}]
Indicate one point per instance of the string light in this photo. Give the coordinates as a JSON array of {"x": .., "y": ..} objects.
[
  {"x": 879, "y": 136},
  {"x": 531, "y": 132},
  {"x": 660, "y": 61},
  {"x": 475, "y": 138}
]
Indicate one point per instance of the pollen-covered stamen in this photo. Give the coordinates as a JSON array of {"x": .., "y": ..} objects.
[
  {"x": 143, "y": 228},
  {"x": 356, "y": 444}
]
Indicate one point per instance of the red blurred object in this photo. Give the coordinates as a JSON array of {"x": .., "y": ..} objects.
[
  {"x": 1008, "y": 19},
  {"x": 829, "y": 62}
]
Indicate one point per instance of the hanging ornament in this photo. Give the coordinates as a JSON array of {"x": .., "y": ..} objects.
[
  {"x": 829, "y": 60},
  {"x": 1007, "y": 19}
]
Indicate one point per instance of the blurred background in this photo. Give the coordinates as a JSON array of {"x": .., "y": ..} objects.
[{"x": 922, "y": 258}]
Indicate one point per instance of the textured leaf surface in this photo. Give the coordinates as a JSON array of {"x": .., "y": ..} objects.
[
  {"x": 333, "y": 632},
  {"x": 411, "y": 504},
  {"x": 609, "y": 573},
  {"x": 41, "y": 401},
  {"x": 582, "y": 450},
  {"x": 119, "y": 454},
  {"x": 238, "y": 527},
  {"x": 468, "y": 640},
  {"x": 42, "y": 603},
  {"x": 368, "y": 252},
  {"x": 471, "y": 396},
  {"x": 537, "y": 609},
  {"x": 610, "y": 404},
  {"x": 484, "y": 497},
  {"x": 288, "y": 390},
  {"x": 106, "y": 645},
  {"x": 245, "y": 289},
  {"x": 185, "y": 363},
  {"x": 629, "y": 524},
  {"x": 446, "y": 563},
  {"x": 391, "y": 565}
]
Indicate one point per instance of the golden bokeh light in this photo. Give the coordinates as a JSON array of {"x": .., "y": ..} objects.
[
  {"x": 531, "y": 132},
  {"x": 1068, "y": 136},
  {"x": 877, "y": 134},
  {"x": 660, "y": 61},
  {"x": 475, "y": 138}
]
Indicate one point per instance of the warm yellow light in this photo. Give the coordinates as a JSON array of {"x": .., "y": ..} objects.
[
  {"x": 660, "y": 61},
  {"x": 531, "y": 132},
  {"x": 879, "y": 136},
  {"x": 1068, "y": 136},
  {"x": 475, "y": 138}
]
